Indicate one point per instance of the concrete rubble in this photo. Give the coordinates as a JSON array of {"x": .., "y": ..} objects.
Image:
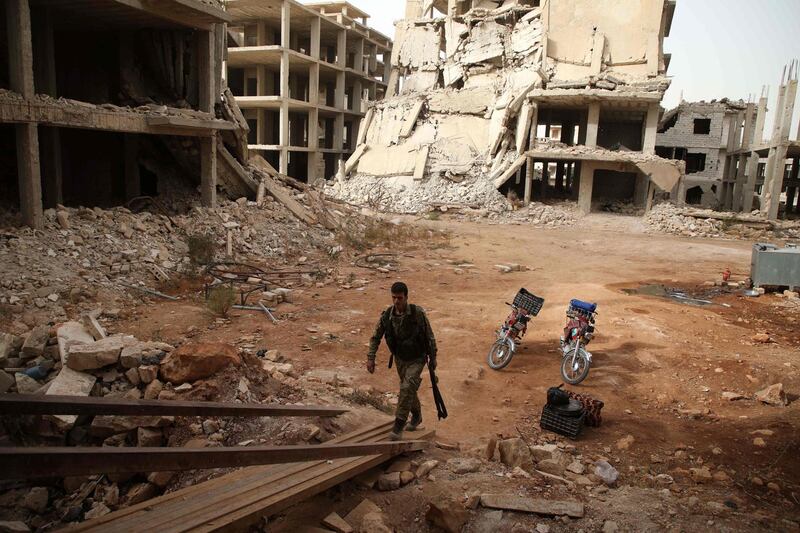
[{"x": 462, "y": 122}]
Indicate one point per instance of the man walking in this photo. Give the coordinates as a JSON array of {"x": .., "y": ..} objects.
[{"x": 411, "y": 342}]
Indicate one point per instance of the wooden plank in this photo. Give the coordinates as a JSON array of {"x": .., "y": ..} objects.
[
  {"x": 512, "y": 502},
  {"x": 18, "y": 404},
  {"x": 183, "y": 506},
  {"x": 29, "y": 463}
]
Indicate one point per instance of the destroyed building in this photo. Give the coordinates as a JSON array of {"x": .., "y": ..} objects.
[
  {"x": 303, "y": 75},
  {"x": 107, "y": 100},
  {"x": 700, "y": 134},
  {"x": 477, "y": 89},
  {"x": 759, "y": 174}
]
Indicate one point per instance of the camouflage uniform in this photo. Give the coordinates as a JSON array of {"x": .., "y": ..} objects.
[{"x": 411, "y": 342}]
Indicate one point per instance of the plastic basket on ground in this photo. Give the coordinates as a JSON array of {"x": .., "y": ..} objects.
[
  {"x": 569, "y": 426},
  {"x": 528, "y": 301}
]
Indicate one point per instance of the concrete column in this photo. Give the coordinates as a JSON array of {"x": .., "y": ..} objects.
[
  {"x": 751, "y": 174},
  {"x": 651, "y": 129},
  {"x": 585, "y": 188},
  {"x": 316, "y": 29},
  {"x": 528, "y": 181},
  {"x": 592, "y": 124},
  {"x": 206, "y": 49},
  {"x": 761, "y": 116},
  {"x": 49, "y": 137},
  {"x": 545, "y": 180},
  {"x": 20, "y": 58},
  {"x": 340, "y": 97},
  {"x": 559, "y": 176},
  {"x": 387, "y": 67},
  {"x": 358, "y": 94},
  {"x": 358, "y": 61},
  {"x": 338, "y": 132},
  {"x": 640, "y": 189},
  {"x": 208, "y": 170},
  {"x": 681, "y": 193},
  {"x": 452, "y": 8},
  {"x": 283, "y": 121},
  {"x": 133, "y": 180},
  {"x": 341, "y": 48}
]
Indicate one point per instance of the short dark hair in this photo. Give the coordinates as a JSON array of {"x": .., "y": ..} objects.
[{"x": 398, "y": 287}]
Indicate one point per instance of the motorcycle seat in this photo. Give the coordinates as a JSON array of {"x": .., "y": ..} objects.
[{"x": 583, "y": 306}]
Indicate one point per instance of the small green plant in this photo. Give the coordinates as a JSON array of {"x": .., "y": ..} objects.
[
  {"x": 433, "y": 215},
  {"x": 202, "y": 248},
  {"x": 220, "y": 299}
]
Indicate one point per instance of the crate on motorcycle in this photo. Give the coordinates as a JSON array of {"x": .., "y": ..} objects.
[
  {"x": 528, "y": 301},
  {"x": 569, "y": 426}
]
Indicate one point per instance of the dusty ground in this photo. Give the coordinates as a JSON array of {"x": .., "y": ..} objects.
[{"x": 660, "y": 367}]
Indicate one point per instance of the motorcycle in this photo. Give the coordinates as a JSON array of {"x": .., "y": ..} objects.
[
  {"x": 526, "y": 305},
  {"x": 578, "y": 332}
]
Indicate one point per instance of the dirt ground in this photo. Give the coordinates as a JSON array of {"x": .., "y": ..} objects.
[{"x": 660, "y": 367}]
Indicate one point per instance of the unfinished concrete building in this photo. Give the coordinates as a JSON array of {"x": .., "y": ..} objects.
[
  {"x": 760, "y": 173},
  {"x": 700, "y": 134},
  {"x": 102, "y": 101},
  {"x": 478, "y": 88},
  {"x": 304, "y": 75}
]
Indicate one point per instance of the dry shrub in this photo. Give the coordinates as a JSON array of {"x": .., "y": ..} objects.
[
  {"x": 220, "y": 299},
  {"x": 363, "y": 236}
]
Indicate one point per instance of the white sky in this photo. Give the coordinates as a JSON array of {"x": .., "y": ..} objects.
[{"x": 720, "y": 48}]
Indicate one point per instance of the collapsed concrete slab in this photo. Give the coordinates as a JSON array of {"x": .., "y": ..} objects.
[{"x": 513, "y": 81}]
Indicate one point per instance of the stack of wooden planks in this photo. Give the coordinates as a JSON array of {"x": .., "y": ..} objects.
[{"x": 238, "y": 500}]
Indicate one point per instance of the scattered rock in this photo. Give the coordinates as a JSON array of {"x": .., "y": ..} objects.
[
  {"x": 514, "y": 452},
  {"x": 389, "y": 481},
  {"x": 550, "y": 466},
  {"x": 153, "y": 389},
  {"x": 447, "y": 515},
  {"x": 701, "y": 474},
  {"x": 6, "y": 381},
  {"x": 607, "y": 473},
  {"x": 195, "y": 361},
  {"x": 98, "y": 509},
  {"x": 36, "y": 500},
  {"x": 337, "y": 523},
  {"x": 759, "y": 442},
  {"x": 107, "y": 425},
  {"x": 610, "y": 526},
  {"x": 406, "y": 478},
  {"x": 13, "y": 527},
  {"x": 374, "y": 523},
  {"x": 26, "y": 384},
  {"x": 576, "y": 467},
  {"x": 35, "y": 342},
  {"x": 425, "y": 468},
  {"x": 512, "y": 502},
  {"x": 625, "y": 442},
  {"x": 543, "y": 452},
  {"x": 461, "y": 465},
  {"x": 141, "y": 492},
  {"x": 356, "y": 516},
  {"x": 732, "y": 396},
  {"x": 773, "y": 395},
  {"x": 762, "y": 338},
  {"x": 149, "y": 437},
  {"x": 148, "y": 373}
]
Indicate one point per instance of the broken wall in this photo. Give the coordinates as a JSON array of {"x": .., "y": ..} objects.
[{"x": 626, "y": 34}]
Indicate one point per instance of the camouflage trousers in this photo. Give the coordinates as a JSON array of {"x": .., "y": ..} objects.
[{"x": 410, "y": 373}]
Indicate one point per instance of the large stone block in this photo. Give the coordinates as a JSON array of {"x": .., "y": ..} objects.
[
  {"x": 95, "y": 355},
  {"x": 192, "y": 362},
  {"x": 71, "y": 333},
  {"x": 107, "y": 425},
  {"x": 70, "y": 382},
  {"x": 35, "y": 342}
]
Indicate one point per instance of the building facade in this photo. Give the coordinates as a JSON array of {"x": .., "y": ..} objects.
[{"x": 303, "y": 74}]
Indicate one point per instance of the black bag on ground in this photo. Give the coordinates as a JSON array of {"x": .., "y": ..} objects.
[{"x": 557, "y": 396}]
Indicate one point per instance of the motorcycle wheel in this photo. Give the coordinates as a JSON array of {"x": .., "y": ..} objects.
[
  {"x": 576, "y": 374},
  {"x": 500, "y": 354}
]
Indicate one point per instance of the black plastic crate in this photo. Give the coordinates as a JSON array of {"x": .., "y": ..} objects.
[
  {"x": 569, "y": 426},
  {"x": 528, "y": 301}
]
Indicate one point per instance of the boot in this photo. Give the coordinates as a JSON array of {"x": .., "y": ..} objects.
[
  {"x": 416, "y": 420},
  {"x": 397, "y": 430}
]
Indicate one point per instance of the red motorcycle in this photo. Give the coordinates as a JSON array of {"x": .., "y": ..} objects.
[
  {"x": 526, "y": 305},
  {"x": 579, "y": 331}
]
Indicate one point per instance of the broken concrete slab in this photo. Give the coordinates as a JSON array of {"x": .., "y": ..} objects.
[
  {"x": 411, "y": 120},
  {"x": 6, "y": 381},
  {"x": 26, "y": 384},
  {"x": 337, "y": 523},
  {"x": 71, "y": 333},
  {"x": 93, "y": 327},
  {"x": 422, "y": 161},
  {"x": 356, "y": 516},
  {"x": 96, "y": 355},
  {"x": 447, "y": 514},
  {"x": 486, "y": 41},
  {"x": 70, "y": 382},
  {"x": 512, "y": 502},
  {"x": 9, "y": 345},
  {"x": 35, "y": 342}
]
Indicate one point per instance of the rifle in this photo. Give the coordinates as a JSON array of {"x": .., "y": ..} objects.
[{"x": 441, "y": 410}]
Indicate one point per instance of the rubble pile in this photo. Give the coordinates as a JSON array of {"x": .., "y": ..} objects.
[
  {"x": 542, "y": 215},
  {"x": 83, "y": 250},
  {"x": 668, "y": 218},
  {"x": 400, "y": 194},
  {"x": 691, "y": 222}
]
